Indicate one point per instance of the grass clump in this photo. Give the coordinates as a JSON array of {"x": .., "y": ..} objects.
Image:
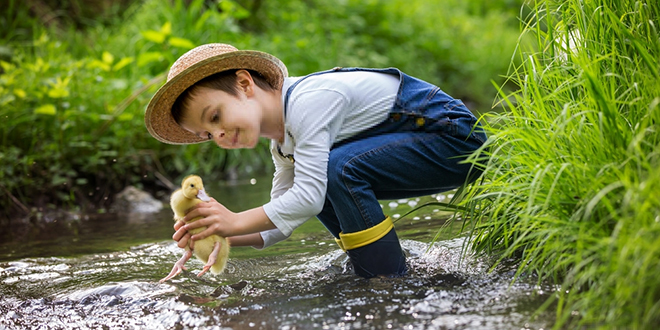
[{"x": 571, "y": 185}]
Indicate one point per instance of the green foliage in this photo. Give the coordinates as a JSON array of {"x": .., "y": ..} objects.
[
  {"x": 15, "y": 21},
  {"x": 571, "y": 186},
  {"x": 459, "y": 45},
  {"x": 73, "y": 99}
]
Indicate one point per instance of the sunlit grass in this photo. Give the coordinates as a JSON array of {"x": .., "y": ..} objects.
[{"x": 571, "y": 186}]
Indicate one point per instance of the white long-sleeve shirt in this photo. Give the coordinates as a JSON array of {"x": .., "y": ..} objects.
[{"x": 322, "y": 110}]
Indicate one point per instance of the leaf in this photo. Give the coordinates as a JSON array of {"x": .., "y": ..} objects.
[
  {"x": 46, "y": 109},
  {"x": 166, "y": 29},
  {"x": 154, "y": 36},
  {"x": 40, "y": 65},
  {"x": 107, "y": 57},
  {"x": 6, "y": 66},
  {"x": 64, "y": 82},
  {"x": 125, "y": 117},
  {"x": 6, "y": 98},
  {"x": 59, "y": 89},
  {"x": 98, "y": 64},
  {"x": 20, "y": 93},
  {"x": 122, "y": 63},
  {"x": 108, "y": 153},
  {"x": 57, "y": 180},
  {"x": 181, "y": 43},
  {"x": 80, "y": 144},
  {"x": 236, "y": 10},
  {"x": 202, "y": 19},
  {"x": 148, "y": 57},
  {"x": 58, "y": 93}
]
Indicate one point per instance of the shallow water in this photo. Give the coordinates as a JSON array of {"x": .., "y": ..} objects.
[{"x": 103, "y": 271}]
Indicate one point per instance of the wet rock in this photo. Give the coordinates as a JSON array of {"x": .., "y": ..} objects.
[
  {"x": 134, "y": 200},
  {"x": 239, "y": 286},
  {"x": 193, "y": 299},
  {"x": 225, "y": 290}
]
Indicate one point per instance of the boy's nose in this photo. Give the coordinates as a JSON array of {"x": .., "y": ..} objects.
[
  {"x": 219, "y": 136},
  {"x": 218, "y": 132}
]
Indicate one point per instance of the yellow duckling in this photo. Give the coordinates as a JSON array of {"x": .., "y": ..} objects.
[{"x": 213, "y": 250}]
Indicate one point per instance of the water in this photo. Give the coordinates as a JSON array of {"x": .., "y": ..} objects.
[{"x": 102, "y": 272}]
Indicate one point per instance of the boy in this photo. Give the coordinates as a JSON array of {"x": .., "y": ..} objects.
[{"x": 340, "y": 139}]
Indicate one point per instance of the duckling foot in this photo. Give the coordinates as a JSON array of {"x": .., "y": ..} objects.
[
  {"x": 212, "y": 258},
  {"x": 178, "y": 266}
]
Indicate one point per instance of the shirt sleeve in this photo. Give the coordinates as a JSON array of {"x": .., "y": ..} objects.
[
  {"x": 271, "y": 237},
  {"x": 282, "y": 181},
  {"x": 313, "y": 120}
]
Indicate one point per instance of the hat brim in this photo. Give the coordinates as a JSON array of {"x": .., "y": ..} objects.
[{"x": 158, "y": 116}]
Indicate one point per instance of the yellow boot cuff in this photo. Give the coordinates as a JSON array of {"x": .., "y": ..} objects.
[
  {"x": 361, "y": 238},
  {"x": 341, "y": 245}
]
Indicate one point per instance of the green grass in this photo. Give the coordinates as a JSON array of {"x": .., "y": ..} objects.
[{"x": 571, "y": 185}]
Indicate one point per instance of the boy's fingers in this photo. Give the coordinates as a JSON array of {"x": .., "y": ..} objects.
[
  {"x": 178, "y": 225},
  {"x": 202, "y": 235},
  {"x": 183, "y": 242},
  {"x": 179, "y": 233},
  {"x": 195, "y": 224},
  {"x": 190, "y": 209},
  {"x": 194, "y": 213},
  {"x": 201, "y": 205}
]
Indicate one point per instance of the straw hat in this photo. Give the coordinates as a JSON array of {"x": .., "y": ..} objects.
[{"x": 193, "y": 66}]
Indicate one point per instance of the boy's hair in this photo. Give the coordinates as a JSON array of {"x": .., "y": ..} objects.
[{"x": 224, "y": 81}]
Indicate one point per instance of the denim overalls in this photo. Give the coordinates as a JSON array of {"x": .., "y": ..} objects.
[{"x": 417, "y": 151}]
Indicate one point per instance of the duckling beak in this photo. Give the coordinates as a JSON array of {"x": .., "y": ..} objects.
[{"x": 203, "y": 196}]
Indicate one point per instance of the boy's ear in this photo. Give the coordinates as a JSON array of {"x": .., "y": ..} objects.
[{"x": 245, "y": 82}]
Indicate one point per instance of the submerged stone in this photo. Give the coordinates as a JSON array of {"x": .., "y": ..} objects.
[{"x": 134, "y": 200}]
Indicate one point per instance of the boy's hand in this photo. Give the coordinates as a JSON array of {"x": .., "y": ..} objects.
[
  {"x": 214, "y": 216},
  {"x": 221, "y": 221},
  {"x": 181, "y": 235}
]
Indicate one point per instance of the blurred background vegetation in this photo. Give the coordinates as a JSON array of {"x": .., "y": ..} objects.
[{"x": 75, "y": 77}]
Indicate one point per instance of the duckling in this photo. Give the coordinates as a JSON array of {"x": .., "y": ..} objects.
[{"x": 213, "y": 250}]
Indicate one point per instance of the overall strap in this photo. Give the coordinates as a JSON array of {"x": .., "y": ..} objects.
[
  {"x": 335, "y": 69},
  {"x": 290, "y": 89}
]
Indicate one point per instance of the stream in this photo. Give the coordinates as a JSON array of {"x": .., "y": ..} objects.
[{"x": 101, "y": 271}]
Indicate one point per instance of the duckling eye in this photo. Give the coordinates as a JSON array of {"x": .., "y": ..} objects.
[{"x": 192, "y": 185}]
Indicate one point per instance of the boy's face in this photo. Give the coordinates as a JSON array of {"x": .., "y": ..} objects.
[{"x": 232, "y": 122}]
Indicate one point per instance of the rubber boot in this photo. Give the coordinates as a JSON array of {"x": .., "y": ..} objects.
[{"x": 375, "y": 251}]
